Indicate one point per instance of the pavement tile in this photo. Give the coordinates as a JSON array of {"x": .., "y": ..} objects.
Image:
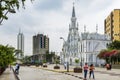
[{"x": 7, "y": 75}]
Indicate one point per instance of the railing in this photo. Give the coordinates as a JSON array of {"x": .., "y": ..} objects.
[{"x": 15, "y": 75}]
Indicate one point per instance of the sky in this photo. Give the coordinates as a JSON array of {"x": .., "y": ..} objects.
[{"x": 52, "y": 18}]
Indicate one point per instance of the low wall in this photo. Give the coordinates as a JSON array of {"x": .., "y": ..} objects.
[{"x": 116, "y": 66}]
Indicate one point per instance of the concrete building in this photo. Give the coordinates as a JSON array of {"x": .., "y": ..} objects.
[
  {"x": 112, "y": 25},
  {"x": 20, "y": 44},
  {"x": 40, "y": 46}
]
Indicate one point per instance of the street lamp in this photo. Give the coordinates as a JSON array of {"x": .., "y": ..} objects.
[
  {"x": 10, "y": 10},
  {"x": 67, "y": 56}
]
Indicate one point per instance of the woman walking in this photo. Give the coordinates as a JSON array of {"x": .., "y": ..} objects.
[
  {"x": 91, "y": 69},
  {"x": 85, "y": 71}
]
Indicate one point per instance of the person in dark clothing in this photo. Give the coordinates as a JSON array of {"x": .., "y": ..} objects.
[
  {"x": 85, "y": 70},
  {"x": 17, "y": 68},
  {"x": 91, "y": 71}
]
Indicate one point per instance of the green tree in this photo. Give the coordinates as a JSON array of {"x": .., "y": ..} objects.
[
  {"x": 49, "y": 57},
  {"x": 6, "y": 55},
  {"x": 77, "y": 62},
  {"x": 114, "y": 45},
  {"x": 11, "y": 6}
]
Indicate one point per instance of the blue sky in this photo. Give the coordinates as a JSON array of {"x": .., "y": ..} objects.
[{"x": 52, "y": 18}]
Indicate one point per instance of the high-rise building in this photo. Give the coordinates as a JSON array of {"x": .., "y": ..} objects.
[
  {"x": 40, "y": 44},
  {"x": 112, "y": 25},
  {"x": 20, "y": 44}
]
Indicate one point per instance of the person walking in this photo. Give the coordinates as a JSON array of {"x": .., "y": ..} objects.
[
  {"x": 85, "y": 68},
  {"x": 17, "y": 68},
  {"x": 65, "y": 65},
  {"x": 91, "y": 71},
  {"x": 107, "y": 66}
]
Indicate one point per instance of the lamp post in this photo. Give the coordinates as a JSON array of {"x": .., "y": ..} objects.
[
  {"x": 10, "y": 10},
  {"x": 81, "y": 60},
  {"x": 67, "y": 56}
]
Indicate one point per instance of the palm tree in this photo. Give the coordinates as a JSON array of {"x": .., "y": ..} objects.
[
  {"x": 6, "y": 55},
  {"x": 18, "y": 52}
]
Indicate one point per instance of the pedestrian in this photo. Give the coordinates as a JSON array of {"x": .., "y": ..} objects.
[
  {"x": 107, "y": 66},
  {"x": 65, "y": 65},
  {"x": 17, "y": 68},
  {"x": 85, "y": 71},
  {"x": 91, "y": 71},
  {"x": 110, "y": 65}
]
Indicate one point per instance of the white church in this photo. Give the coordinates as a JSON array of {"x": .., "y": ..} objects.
[{"x": 85, "y": 46}]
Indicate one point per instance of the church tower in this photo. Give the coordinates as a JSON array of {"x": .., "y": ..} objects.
[{"x": 73, "y": 38}]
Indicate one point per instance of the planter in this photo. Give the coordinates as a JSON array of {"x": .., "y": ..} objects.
[
  {"x": 37, "y": 65},
  {"x": 56, "y": 67},
  {"x": 78, "y": 70},
  {"x": 44, "y": 65},
  {"x": 28, "y": 64}
]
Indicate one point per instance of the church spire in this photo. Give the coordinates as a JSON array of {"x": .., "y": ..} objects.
[
  {"x": 96, "y": 28},
  {"x": 73, "y": 11},
  {"x": 84, "y": 28}
]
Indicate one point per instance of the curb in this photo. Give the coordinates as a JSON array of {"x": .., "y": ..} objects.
[{"x": 15, "y": 75}]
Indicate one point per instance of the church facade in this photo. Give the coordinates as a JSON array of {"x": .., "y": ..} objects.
[{"x": 90, "y": 46}]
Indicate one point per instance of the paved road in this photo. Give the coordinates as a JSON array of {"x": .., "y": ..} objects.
[
  {"x": 27, "y": 73},
  {"x": 38, "y": 73}
]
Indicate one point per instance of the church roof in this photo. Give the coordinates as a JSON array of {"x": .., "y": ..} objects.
[{"x": 94, "y": 36}]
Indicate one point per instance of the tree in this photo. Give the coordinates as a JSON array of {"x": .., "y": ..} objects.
[
  {"x": 114, "y": 45},
  {"x": 77, "y": 62},
  {"x": 18, "y": 52},
  {"x": 102, "y": 53},
  {"x": 6, "y": 55},
  {"x": 111, "y": 54},
  {"x": 49, "y": 56},
  {"x": 7, "y": 6}
]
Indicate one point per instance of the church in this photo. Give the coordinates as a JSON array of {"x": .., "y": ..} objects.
[{"x": 85, "y": 46}]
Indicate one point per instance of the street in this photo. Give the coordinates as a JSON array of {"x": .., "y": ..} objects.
[
  {"x": 28, "y": 73},
  {"x": 48, "y": 73},
  {"x": 39, "y": 73}
]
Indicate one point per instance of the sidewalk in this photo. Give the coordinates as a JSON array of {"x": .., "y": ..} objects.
[
  {"x": 100, "y": 73},
  {"x": 7, "y": 75}
]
